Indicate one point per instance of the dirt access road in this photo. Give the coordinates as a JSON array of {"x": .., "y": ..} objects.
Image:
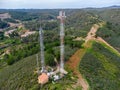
[{"x": 75, "y": 59}]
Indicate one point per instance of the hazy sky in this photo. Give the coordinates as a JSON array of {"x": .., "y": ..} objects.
[{"x": 40, "y": 4}]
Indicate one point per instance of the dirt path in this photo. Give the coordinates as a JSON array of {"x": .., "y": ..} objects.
[
  {"x": 74, "y": 65},
  {"x": 99, "y": 39},
  {"x": 74, "y": 61},
  {"x": 92, "y": 33}
]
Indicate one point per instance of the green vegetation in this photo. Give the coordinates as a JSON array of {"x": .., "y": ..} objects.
[
  {"x": 46, "y": 25},
  {"x": 3, "y": 24},
  {"x": 19, "y": 53},
  {"x": 22, "y": 75},
  {"x": 111, "y": 31},
  {"x": 110, "y": 34},
  {"x": 101, "y": 68},
  {"x": 27, "y": 15},
  {"x": 1, "y": 35},
  {"x": 100, "y": 65},
  {"x": 80, "y": 22},
  {"x": 10, "y": 20}
]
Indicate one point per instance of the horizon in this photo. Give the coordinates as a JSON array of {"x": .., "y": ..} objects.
[
  {"x": 56, "y": 4},
  {"x": 62, "y": 8}
]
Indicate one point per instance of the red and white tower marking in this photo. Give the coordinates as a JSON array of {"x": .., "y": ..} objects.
[{"x": 62, "y": 19}]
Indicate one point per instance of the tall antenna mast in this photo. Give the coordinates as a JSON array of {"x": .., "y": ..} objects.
[
  {"x": 62, "y": 18},
  {"x": 42, "y": 49}
]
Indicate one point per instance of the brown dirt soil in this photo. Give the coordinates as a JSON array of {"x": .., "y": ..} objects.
[
  {"x": 74, "y": 65},
  {"x": 75, "y": 59}
]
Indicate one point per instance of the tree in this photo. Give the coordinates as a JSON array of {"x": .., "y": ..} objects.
[
  {"x": 49, "y": 59},
  {"x": 1, "y": 35},
  {"x": 3, "y": 24},
  {"x": 10, "y": 60}
]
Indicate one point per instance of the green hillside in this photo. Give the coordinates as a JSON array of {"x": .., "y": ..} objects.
[
  {"x": 111, "y": 31},
  {"x": 79, "y": 23},
  {"x": 101, "y": 68},
  {"x": 20, "y": 75}
]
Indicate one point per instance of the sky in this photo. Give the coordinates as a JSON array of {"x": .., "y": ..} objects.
[{"x": 51, "y": 4}]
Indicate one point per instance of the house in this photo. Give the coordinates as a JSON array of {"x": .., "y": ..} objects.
[{"x": 43, "y": 78}]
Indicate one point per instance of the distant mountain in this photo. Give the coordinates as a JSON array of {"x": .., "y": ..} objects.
[
  {"x": 114, "y": 6},
  {"x": 102, "y": 8}
]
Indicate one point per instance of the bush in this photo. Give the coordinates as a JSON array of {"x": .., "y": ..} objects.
[
  {"x": 49, "y": 59},
  {"x": 3, "y": 24}
]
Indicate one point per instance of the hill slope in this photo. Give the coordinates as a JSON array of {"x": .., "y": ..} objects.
[
  {"x": 20, "y": 75},
  {"x": 101, "y": 68},
  {"x": 100, "y": 65},
  {"x": 111, "y": 30}
]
